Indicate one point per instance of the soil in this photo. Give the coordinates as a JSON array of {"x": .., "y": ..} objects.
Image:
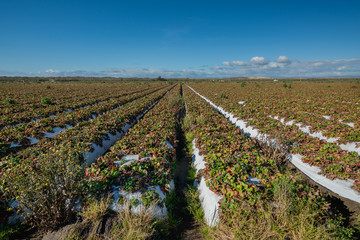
[
  {"x": 188, "y": 228},
  {"x": 86, "y": 230}
]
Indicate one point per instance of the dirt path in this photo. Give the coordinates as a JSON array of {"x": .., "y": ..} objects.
[{"x": 188, "y": 228}]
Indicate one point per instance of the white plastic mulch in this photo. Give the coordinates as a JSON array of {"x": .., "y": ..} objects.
[
  {"x": 90, "y": 157},
  {"x": 98, "y": 151},
  {"x": 351, "y": 147},
  {"x": 209, "y": 200},
  {"x": 341, "y": 187},
  {"x": 159, "y": 211}
]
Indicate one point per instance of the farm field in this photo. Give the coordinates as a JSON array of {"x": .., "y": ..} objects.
[
  {"x": 320, "y": 122},
  {"x": 265, "y": 160}
]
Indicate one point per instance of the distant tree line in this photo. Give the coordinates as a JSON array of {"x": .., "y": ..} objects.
[{"x": 74, "y": 79}]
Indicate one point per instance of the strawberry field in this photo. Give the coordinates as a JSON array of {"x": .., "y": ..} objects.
[
  {"x": 254, "y": 147},
  {"x": 319, "y": 121}
]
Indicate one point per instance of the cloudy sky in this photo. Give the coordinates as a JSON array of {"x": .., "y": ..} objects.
[{"x": 180, "y": 38}]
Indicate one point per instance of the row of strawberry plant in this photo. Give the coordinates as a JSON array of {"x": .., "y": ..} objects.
[
  {"x": 258, "y": 192},
  {"x": 44, "y": 179},
  {"x": 95, "y": 130},
  {"x": 26, "y": 96},
  {"x": 140, "y": 166},
  {"x": 18, "y": 112},
  {"x": 21, "y": 134},
  {"x": 334, "y": 161},
  {"x": 320, "y": 110},
  {"x": 238, "y": 169}
]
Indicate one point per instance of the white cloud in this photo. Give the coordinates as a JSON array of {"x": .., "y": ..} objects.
[
  {"x": 239, "y": 63},
  {"x": 283, "y": 59},
  {"x": 259, "y": 60},
  {"x": 274, "y": 65},
  {"x": 150, "y": 72},
  {"x": 52, "y": 71},
  {"x": 256, "y": 67},
  {"x": 317, "y": 64},
  {"x": 285, "y": 67},
  {"x": 233, "y": 63}
]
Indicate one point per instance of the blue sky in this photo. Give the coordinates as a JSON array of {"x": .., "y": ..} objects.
[{"x": 180, "y": 38}]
